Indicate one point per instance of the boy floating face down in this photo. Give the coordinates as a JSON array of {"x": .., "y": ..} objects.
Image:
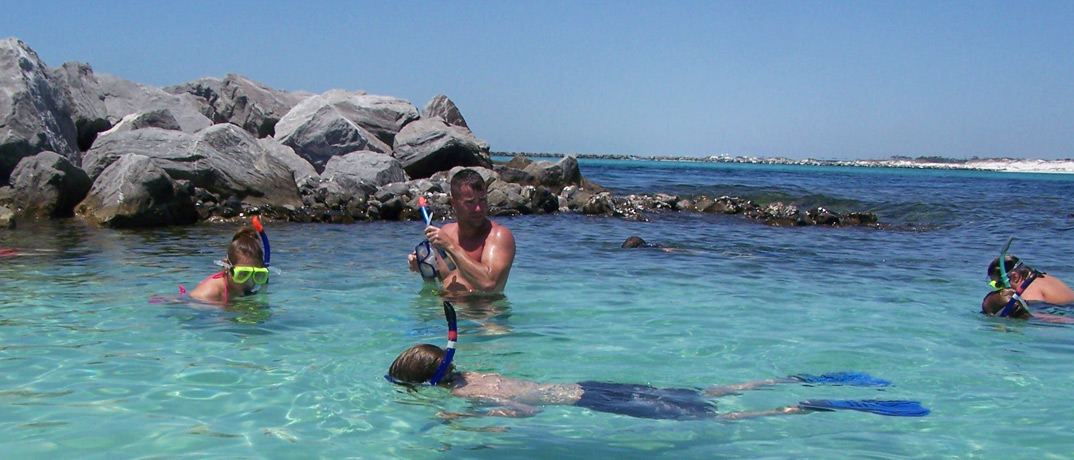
[{"x": 428, "y": 364}]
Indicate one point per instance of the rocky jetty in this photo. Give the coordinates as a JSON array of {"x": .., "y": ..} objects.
[{"x": 74, "y": 143}]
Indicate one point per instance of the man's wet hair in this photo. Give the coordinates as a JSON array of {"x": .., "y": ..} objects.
[
  {"x": 1010, "y": 265},
  {"x": 469, "y": 178}
]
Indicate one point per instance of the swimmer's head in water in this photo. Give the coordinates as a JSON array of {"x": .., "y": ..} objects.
[
  {"x": 633, "y": 242},
  {"x": 246, "y": 246},
  {"x": 427, "y": 363},
  {"x": 246, "y": 275},
  {"x": 417, "y": 365},
  {"x": 995, "y": 302}
]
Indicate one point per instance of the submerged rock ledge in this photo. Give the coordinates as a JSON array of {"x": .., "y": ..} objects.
[{"x": 74, "y": 143}]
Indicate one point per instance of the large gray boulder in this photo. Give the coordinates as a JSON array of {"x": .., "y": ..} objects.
[
  {"x": 123, "y": 97},
  {"x": 441, "y": 106},
  {"x": 556, "y": 175},
  {"x": 159, "y": 118},
  {"x": 240, "y": 101},
  {"x": 223, "y": 160},
  {"x": 430, "y": 145},
  {"x": 87, "y": 104},
  {"x": 318, "y": 129},
  {"x": 135, "y": 192},
  {"x": 383, "y": 116},
  {"x": 362, "y": 169},
  {"x": 167, "y": 147},
  {"x": 34, "y": 113},
  {"x": 243, "y": 168},
  {"x": 301, "y": 169},
  {"x": 47, "y": 185}
]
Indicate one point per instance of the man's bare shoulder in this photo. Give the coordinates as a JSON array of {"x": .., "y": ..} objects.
[{"x": 500, "y": 232}]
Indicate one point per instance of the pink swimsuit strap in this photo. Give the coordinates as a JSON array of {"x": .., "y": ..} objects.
[{"x": 218, "y": 275}]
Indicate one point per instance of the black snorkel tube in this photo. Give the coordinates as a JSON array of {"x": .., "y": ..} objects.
[
  {"x": 264, "y": 240},
  {"x": 449, "y": 350}
]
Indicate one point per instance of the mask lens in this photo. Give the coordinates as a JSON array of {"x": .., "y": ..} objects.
[
  {"x": 426, "y": 260},
  {"x": 427, "y": 271},
  {"x": 241, "y": 274}
]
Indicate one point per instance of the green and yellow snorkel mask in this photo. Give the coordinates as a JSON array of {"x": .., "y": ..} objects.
[{"x": 243, "y": 273}]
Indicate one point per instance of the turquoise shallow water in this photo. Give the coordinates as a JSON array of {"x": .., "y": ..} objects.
[{"x": 90, "y": 369}]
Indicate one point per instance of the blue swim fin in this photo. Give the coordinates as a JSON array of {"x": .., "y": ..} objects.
[
  {"x": 889, "y": 408},
  {"x": 842, "y": 378}
]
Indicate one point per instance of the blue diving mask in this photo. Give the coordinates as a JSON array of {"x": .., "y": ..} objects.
[{"x": 426, "y": 261}]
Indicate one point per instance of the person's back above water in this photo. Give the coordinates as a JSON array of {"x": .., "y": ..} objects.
[{"x": 1033, "y": 285}]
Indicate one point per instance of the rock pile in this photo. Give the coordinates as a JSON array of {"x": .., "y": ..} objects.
[{"x": 123, "y": 154}]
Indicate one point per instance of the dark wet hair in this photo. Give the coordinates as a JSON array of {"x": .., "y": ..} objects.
[
  {"x": 1009, "y": 264},
  {"x": 417, "y": 364},
  {"x": 469, "y": 178},
  {"x": 994, "y": 301},
  {"x": 245, "y": 246},
  {"x": 633, "y": 242}
]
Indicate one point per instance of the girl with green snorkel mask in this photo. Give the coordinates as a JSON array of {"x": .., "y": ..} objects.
[{"x": 245, "y": 269}]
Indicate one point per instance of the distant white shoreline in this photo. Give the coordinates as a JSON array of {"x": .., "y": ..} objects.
[
  {"x": 1065, "y": 166},
  {"x": 992, "y": 164}
]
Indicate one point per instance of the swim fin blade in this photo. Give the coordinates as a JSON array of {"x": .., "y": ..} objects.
[
  {"x": 842, "y": 378},
  {"x": 896, "y": 408}
]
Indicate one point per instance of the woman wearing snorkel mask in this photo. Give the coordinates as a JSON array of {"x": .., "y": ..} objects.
[
  {"x": 1033, "y": 285},
  {"x": 243, "y": 270}
]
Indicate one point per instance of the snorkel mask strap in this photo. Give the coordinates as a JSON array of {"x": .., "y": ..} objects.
[
  {"x": 449, "y": 351},
  {"x": 264, "y": 240},
  {"x": 1017, "y": 297}
]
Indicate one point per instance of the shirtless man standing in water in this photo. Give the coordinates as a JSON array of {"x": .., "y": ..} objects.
[{"x": 481, "y": 249}]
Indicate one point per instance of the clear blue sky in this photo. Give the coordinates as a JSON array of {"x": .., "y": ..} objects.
[{"x": 797, "y": 79}]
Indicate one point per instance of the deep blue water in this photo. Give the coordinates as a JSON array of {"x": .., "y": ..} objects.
[{"x": 90, "y": 369}]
